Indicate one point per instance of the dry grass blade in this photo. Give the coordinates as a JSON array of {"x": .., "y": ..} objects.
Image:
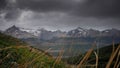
[
  {"x": 96, "y": 59},
  {"x": 117, "y": 61},
  {"x": 118, "y": 65},
  {"x": 85, "y": 58},
  {"x": 112, "y": 57},
  {"x": 58, "y": 59}
]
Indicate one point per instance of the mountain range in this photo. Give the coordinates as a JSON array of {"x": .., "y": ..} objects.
[
  {"x": 44, "y": 34},
  {"x": 81, "y": 32},
  {"x": 19, "y": 32}
]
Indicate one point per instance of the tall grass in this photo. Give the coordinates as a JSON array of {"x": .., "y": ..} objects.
[
  {"x": 27, "y": 57},
  {"x": 112, "y": 57},
  {"x": 58, "y": 59},
  {"x": 114, "y": 60},
  {"x": 33, "y": 58},
  {"x": 85, "y": 58}
]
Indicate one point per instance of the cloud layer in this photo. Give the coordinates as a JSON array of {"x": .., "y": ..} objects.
[
  {"x": 60, "y": 14},
  {"x": 78, "y": 7}
]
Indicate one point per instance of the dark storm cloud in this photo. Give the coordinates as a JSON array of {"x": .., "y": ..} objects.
[
  {"x": 45, "y": 5},
  {"x": 3, "y": 4},
  {"x": 12, "y": 14},
  {"x": 95, "y": 8},
  {"x": 9, "y": 9},
  {"x": 100, "y": 8},
  {"x": 78, "y": 7},
  {"x": 61, "y": 13}
]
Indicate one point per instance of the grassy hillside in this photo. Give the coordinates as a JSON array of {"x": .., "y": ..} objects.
[
  {"x": 6, "y": 41},
  {"x": 16, "y": 54}
]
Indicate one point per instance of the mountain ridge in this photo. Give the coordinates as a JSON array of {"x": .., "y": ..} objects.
[{"x": 43, "y": 33}]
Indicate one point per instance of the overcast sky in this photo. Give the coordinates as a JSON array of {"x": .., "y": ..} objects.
[{"x": 60, "y": 14}]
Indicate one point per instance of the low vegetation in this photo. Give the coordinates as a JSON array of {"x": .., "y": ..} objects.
[{"x": 17, "y": 54}]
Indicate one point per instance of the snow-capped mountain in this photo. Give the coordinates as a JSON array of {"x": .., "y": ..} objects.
[
  {"x": 81, "y": 32},
  {"x": 35, "y": 32},
  {"x": 16, "y": 32},
  {"x": 44, "y": 34},
  {"x": 78, "y": 32}
]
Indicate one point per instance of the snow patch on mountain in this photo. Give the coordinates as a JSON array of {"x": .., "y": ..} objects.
[{"x": 35, "y": 32}]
